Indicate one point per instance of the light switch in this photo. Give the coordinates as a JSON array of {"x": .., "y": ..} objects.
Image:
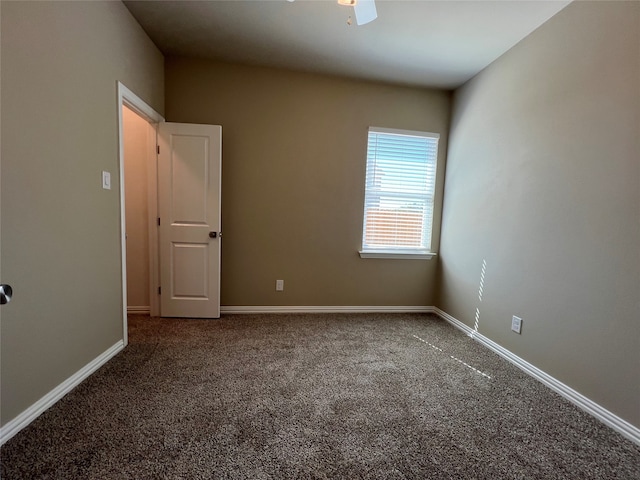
[{"x": 106, "y": 180}]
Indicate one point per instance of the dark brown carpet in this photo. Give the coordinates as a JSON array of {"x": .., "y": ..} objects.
[{"x": 353, "y": 396}]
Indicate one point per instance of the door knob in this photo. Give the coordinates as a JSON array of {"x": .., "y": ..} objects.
[
  {"x": 215, "y": 234},
  {"x": 5, "y": 293}
]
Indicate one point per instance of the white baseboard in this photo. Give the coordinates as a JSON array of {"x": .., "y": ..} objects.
[
  {"x": 618, "y": 424},
  {"x": 139, "y": 310},
  {"x": 230, "y": 309},
  {"x": 35, "y": 410},
  {"x": 605, "y": 416}
]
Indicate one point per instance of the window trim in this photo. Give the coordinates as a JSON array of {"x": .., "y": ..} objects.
[
  {"x": 408, "y": 252},
  {"x": 405, "y": 254}
]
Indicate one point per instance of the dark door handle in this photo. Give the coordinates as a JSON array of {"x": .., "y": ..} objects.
[
  {"x": 215, "y": 234},
  {"x": 5, "y": 294}
]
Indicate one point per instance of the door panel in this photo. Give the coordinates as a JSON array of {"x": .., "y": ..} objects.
[
  {"x": 189, "y": 165},
  {"x": 190, "y": 279},
  {"x": 189, "y": 193}
]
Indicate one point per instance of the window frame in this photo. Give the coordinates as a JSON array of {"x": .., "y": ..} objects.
[{"x": 401, "y": 252}]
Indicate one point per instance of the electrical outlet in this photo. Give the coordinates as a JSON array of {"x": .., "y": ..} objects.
[
  {"x": 279, "y": 285},
  {"x": 106, "y": 180},
  {"x": 516, "y": 324}
]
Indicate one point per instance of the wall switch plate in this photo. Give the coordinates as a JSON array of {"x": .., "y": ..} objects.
[
  {"x": 106, "y": 180},
  {"x": 516, "y": 324},
  {"x": 279, "y": 285}
]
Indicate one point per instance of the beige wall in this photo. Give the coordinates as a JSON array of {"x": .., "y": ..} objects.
[
  {"x": 294, "y": 151},
  {"x": 60, "y": 230},
  {"x": 543, "y": 182},
  {"x": 136, "y": 150}
]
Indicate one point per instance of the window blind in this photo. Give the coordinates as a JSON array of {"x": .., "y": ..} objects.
[{"x": 399, "y": 190}]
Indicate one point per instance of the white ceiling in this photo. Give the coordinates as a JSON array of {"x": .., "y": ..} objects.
[{"x": 427, "y": 43}]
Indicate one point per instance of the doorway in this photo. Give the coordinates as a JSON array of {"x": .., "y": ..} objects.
[
  {"x": 138, "y": 143},
  {"x": 141, "y": 121},
  {"x": 186, "y": 216}
]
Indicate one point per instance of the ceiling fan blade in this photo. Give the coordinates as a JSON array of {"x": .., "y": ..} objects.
[{"x": 365, "y": 11}]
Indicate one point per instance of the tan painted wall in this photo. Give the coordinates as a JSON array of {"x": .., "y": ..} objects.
[
  {"x": 136, "y": 150},
  {"x": 543, "y": 182},
  {"x": 294, "y": 151},
  {"x": 60, "y": 230}
]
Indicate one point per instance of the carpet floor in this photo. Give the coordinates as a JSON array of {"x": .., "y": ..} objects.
[{"x": 313, "y": 396}]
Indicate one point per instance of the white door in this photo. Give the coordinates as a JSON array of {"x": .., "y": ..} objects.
[{"x": 189, "y": 166}]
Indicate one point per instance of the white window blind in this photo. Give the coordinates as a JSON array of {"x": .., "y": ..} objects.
[{"x": 399, "y": 191}]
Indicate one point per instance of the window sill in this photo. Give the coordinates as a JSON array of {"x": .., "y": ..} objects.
[{"x": 395, "y": 254}]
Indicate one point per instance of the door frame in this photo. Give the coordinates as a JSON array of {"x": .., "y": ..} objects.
[{"x": 129, "y": 99}]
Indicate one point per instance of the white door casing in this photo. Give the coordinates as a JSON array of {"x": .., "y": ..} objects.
[
  {"x": 135, "y": 103},
  {"x": 189, "y": 174}
]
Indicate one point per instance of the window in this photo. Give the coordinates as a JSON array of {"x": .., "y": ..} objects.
[{"x": 399, "y": 193}]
